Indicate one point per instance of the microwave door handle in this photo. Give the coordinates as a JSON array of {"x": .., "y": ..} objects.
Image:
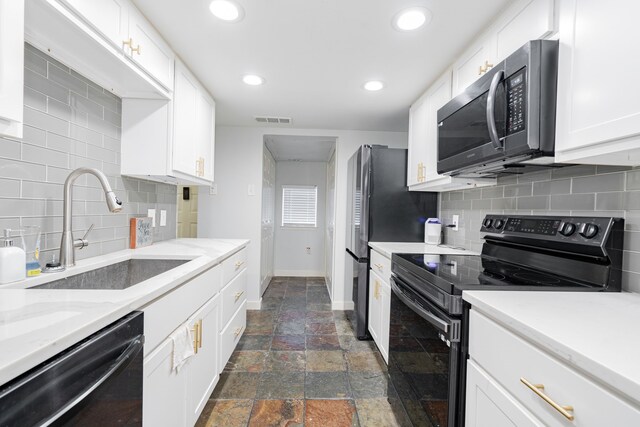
[{"x": 491, "y": 118}]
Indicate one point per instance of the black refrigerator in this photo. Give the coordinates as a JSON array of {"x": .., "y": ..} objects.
[{"x": 380, "y": 208}]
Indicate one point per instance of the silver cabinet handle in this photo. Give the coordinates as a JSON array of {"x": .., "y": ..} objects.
[{"x": 491, "y": 118}]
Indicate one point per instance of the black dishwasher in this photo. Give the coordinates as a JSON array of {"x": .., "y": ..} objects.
[{"x": 97, "y": 381}]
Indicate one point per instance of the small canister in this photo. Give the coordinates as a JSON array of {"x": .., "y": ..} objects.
[{"x": 433, "y": 231}]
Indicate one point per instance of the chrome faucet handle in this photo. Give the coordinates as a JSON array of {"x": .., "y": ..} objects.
[{"x": 81, "y": 243}]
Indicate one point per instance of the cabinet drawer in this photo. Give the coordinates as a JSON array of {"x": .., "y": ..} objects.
[
  {"x": 233, "y": 265},
  {"x": 164, "y": 315},
  {"x": 508, "y": 358},
  {"x": 233, "y": 296},
  {"x": 381, "y": 265},
  {"x": 230, "y": 335}
]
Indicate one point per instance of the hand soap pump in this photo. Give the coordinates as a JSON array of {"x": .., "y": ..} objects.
[{"x": 12, "y": 260}]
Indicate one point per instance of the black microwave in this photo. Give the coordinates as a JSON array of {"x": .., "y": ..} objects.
[{"x": 505, "y": 119}]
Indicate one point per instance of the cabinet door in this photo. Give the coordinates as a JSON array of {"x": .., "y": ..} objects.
[
  {"x": 203, "y": 369},
  {"x": 438, "y": 95},
  {"x": 598, "y": 86},
  {"x": 109, "y": 17},
  {"x": 184, "y": 121},
  {"x": 164, "y": 389},
  {"x": 385, "y": 319},
  {"x": 487, "y": 404},
  {"x": 526, "y": 20},
  {"x": 149, "y": 50},
  {"x": 374, "y": 306},
  {"x": 466, "y": 69},
  {"x": 205, "y": 122},
  {"x": 418, "y": 124},
  {"x": 11, "y": 67}
]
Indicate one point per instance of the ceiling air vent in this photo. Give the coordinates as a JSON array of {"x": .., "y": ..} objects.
[{"x": 274, "y": 120}]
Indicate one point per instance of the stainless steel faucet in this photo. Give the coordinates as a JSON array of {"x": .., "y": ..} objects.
[{"x": 68, "y": 243}]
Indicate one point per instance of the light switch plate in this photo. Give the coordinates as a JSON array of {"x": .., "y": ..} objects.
[
  {"x": 163, "y": 218},
  {"x": 251, "y": 190},
  {"x": 213, "y": 190},
  {"x": 152, "y": 214}
]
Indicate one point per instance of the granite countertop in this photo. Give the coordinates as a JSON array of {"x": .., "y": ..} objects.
[
  {"x": 595, "y": 333},
  {"x": 36, "y": 324},
  {"x": 388, "y": 248}
]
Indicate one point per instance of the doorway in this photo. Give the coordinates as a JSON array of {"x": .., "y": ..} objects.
[
  {"x": 298, "y": 207},
  {"x": 187, "y": 212}
]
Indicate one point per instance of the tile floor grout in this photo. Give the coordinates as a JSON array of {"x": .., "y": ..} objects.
[{"x": 330, "y": 390}]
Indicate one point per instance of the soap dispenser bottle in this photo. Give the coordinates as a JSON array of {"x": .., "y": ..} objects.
[{"x": 12, "y": 260}]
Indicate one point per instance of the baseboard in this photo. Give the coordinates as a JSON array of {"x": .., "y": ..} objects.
[
  {"x": 342, "y": 305},
  {"x": 254, "y": 305},
  {"x": 298, "y": 273}
]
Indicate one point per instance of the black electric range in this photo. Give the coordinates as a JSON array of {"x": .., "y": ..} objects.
[{"x": 520, "y": 253}]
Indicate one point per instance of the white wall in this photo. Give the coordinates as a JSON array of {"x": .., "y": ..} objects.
[
  {"x": 330, "y": 221},
  {"x": 268, "y": 219},
  {"x": 232, "y": 213},
  {"x": 291, "y": 258}
]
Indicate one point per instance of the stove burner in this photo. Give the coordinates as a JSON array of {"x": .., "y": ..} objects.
[{"x": 540, "y": 279}]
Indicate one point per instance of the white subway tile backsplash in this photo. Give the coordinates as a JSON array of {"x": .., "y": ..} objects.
[{"x": 71, "y": 122}]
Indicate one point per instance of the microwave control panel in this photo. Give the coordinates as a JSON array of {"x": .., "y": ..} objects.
[{"x": 516, "y": 101}]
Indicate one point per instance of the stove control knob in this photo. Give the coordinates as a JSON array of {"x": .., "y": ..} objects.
[
  {"x": 487, "y": 223},
  {"x": 567, "y": 229},
  {"x": 498, "y": 224},
  {"x": 588, "y": 231}
]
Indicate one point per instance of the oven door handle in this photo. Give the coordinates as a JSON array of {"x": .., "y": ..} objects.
[
  {"x": 121, "y": 362},
  {"x": 491, "y": 117},
  {"x": 449, "y": 329}
]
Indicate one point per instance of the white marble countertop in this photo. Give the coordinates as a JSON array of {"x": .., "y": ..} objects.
[
  {"x": 388, "y": 248},
  {"x": 595, "y": 333},
  {"x": 36, "y": 324}
]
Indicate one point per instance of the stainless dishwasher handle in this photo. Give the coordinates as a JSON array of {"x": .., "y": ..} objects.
[
  {"x": 120, "y": 363},
  {"x": 491, "y": 117},
  {"x": 441, "y": 325}
]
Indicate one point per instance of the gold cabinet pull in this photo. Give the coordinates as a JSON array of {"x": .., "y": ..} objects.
[
  {"x": 481, "y": 70},
  {"x": 379, "y": 266},
  {"x": 200, "y": 333},
  {"x": 238, "y": 331},
  {"x": 238, "y": 295},
  {"x": 565, "y": 410},
  {"x": 239, "y": 264},
  {"x": 127, "y": 42},
  {"x": 196, "y": 337},
  {"x": 376, "y": 290},
  {"x": 487, "y": 66}
]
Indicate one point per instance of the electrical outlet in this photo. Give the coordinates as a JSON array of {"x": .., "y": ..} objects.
[
  {"x": 454, "y": 222},
  {"x": 213, "y": 190},
  {"x": 251, "y": 190},
  {"x": 163, "y": 218},
  {"x": 454, "y": 267},
  {"x": 308, "y": 250},
  {"x": 152, "y": 214}
]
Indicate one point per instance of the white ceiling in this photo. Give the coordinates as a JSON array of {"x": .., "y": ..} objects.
[
  {"x": 300, "y": 148},
  {"x": 316, "y": 54}
]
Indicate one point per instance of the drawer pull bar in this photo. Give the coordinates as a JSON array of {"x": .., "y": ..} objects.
[
  {"x": 200, "y": 333},
  {"x": 379, "y": 266},
  {"x": 238, "y": 331},
  {"x": 196, "y": 337},
  {"x": 538, "y": 389},
  {"x": 239, "y": 294},
  {"x": 239, "y": 264}
]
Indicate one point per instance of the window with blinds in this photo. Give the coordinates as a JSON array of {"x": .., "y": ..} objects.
[{"x": 299, "y": 205}]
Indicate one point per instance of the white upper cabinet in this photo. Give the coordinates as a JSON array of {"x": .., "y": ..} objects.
[
  {"x": 422, "y": 168},
  {"x": 523, "y": 21},
  {"x": 176, "y": 138},
  {"x": 11, "y": 67},
  {"x": 109, "y": 17},
  {"x": 598, "y": 117}
]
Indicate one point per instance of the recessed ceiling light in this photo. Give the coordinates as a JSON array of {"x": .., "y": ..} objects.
[
  {"x": 411, "y": 19},
  {"x": 253, "y": 80},
  {"x": 373, "y": 85},
  {"x": 226, "y": 10}
]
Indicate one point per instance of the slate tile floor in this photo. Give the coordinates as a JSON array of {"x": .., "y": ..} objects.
[{"x": 299, "y": 364}]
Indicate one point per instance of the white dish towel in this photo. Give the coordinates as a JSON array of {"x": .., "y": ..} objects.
[{"x": 182, "y": 346}]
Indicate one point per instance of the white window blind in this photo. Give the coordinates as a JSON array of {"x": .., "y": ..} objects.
[{"x": 299, "y": 205}]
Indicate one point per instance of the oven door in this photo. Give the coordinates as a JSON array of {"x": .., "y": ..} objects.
[{"x": 424, "y": 358}]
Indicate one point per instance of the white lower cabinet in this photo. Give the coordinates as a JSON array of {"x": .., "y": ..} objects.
[
  {"x": 380, "y": 301},
  {"x": 512, "y": 382}
]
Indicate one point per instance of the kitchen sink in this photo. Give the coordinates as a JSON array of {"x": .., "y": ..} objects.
[{"x": 121, "y": 275}]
